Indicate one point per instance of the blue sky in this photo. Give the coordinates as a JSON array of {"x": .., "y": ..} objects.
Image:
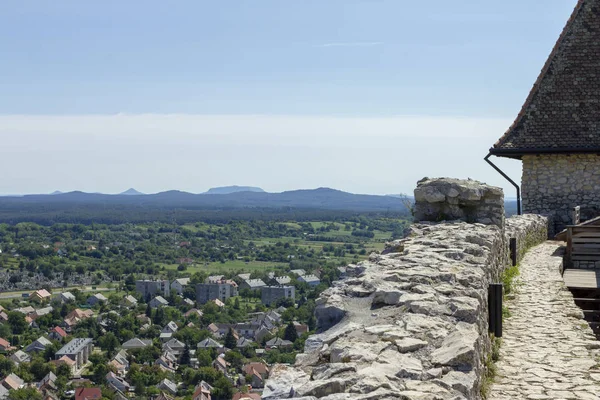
[{"x": 289, "y": 62}]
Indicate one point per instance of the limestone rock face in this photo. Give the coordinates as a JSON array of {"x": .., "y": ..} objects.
[
  {"x": 412, "y": 323},
  {"x": 454, "y": 199}
]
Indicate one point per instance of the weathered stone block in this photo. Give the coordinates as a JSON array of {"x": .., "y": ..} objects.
[{"x": 442, "y": 199}]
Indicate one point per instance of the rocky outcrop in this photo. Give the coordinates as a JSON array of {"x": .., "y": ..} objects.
[
  {"x": 442, "y": 199},
  {"x": 409, "y": 324}
]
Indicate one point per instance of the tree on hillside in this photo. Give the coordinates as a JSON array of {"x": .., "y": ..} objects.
[
  {"x": 230, "y": 341},
  {"x": 290, "y": 332},
  {"x": 185, "y": 356},
  {"x": 24, "y": 394},
  {"x": 17, "y": 322}
]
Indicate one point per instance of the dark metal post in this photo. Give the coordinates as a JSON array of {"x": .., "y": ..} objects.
[
  {"x": 495, "y": 308},
  {"x": 491, "y": 309},
  {"x": 496, "y": 288},
  {"x": 513, "y": 251}
]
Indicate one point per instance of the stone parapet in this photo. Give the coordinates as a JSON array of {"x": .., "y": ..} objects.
[
  {"x": 409, "y": 324},
  {"x": 447, "y": 199}
]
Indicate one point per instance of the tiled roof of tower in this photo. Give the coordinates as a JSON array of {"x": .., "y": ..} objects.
[{"x": 562, "y": 112}]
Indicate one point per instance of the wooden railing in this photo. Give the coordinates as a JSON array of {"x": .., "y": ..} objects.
[{"x": 583, "y": 244}]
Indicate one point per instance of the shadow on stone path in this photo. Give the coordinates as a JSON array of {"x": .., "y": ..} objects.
[{"x": 548, "y": 351}]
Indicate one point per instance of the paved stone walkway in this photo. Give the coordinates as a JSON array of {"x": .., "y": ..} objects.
[{"x": 548, "y": 351}]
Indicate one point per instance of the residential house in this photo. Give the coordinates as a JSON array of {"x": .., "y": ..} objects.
[
  {"x": 243, "y": 342},
  {"x": 208, "y": 343},
  {"x": 179, "y": 285},
  {"x": 64, "y": 297},
  {"x": 218, "y": 303},
  {"x": 120, "y": 362},
  {"x": 88, "y": 393},
  {"x": 202, "y": 391},
  {"x": 20, "y": 357},
  {"x": 168, "y": 386},
  {"x": 298, "y": 272},
  {"x": 252, "y": 284},
  {"x": 3, "y": 316},
  {"x": 220, "y": 364},
  {"x": 193, "y": 312},
  {"x": 219, "y": 329},
  {"x": 213, "y": 329},
  {"x": 74, "y": 317},
  {"x": 167, "y": 363},
  {"x": 3, "y": 392},
  {"x": 26, "y": 310},
  {"x": 64, "y": 360},
  {"x": 244, "y": 277},
  {"x": 260, "y": 334},
  {"x": 136, "y": 343},
  {"x": 248, "y": 330},
  {"x": 49, "y": 395},
  {"x": 41, "y": 312},
  {"x": 78, "y": 350},
  {"x": 174, "y": 345},
  {"x": 48, "y": 382},
  {"x": 165, "y": 336},
  {"x": 150, "y": 288},
  {"x": 38, "y": 346},
  {"x": 96, "y": 299},
  {"x": 129, "y": 301},
  {"x": 260, "y": 367},
  {"x": 311, "y": 280},
  {"x": 5, "y": 345},
  {"x": 164, "y": 396},
  {"x": 221, "y": 290},
  {"x": 171, "y": 327},
  {"x": 117, "y": 382},
  {"x": 278, "y": 343},
  {"x": 158, "y": 301},
  {"x": 57, "y": 333},
  {"x": 300, "y": 328},
  {"x": 12, "y": 382},
  {"x": 271, "y": 294},
  {"x": 40, "y": 296}
]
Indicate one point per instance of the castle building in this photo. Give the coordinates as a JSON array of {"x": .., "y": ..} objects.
[{"x": 556, "y": 134}]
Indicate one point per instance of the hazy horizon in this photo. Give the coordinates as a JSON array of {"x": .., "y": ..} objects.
[{"x": 358, "y": 96}]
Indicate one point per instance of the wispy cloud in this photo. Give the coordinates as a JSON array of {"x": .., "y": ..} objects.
[{"x": 350, "y": 44}]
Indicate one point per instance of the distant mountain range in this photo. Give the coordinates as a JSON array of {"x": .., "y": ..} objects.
[
  {"x": 131, "y": 192},
  {"x": 234, "y": 189},
  {"x": 226, "y": 197}
]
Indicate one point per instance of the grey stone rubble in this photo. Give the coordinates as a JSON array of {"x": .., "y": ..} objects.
[
  {"x": 409, "y": 324},
  {"x": 440, "y": 199},
  {"x": 31, "y": 281},
  {"x": 548, "y": 351}
]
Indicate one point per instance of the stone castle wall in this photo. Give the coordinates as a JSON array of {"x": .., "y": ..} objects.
[
  {"x": 412, "y": 322},
  {"x": 553, "y": 184},
  {"x": 447, "y": 199}
]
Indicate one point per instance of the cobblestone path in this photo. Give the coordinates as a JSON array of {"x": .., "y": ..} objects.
[{"x": 548, "y": 351}]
